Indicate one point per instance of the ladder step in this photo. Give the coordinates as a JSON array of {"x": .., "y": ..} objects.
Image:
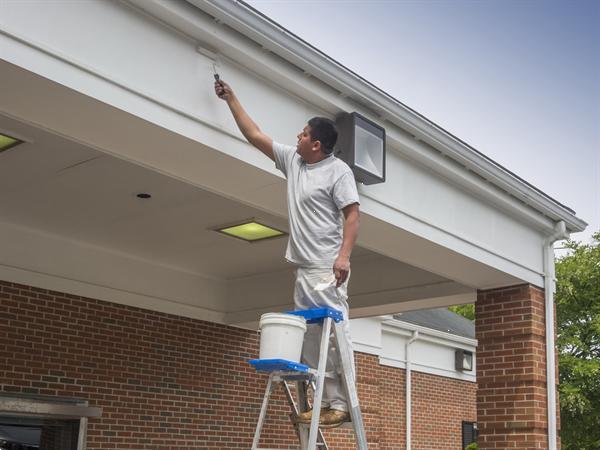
[
  {"x": 271, "y": 365},
  {"x": 347, "y": 425},
  {"x": 316, "y": 315}
]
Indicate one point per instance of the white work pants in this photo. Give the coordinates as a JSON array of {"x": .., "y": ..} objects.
[{"x": 306, "y": 297}]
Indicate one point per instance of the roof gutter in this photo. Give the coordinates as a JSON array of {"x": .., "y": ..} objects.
[{"x": 276, "y": 39}]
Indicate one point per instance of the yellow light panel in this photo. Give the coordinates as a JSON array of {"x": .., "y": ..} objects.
[
  {"x": 7, "y": 142},
  {"x": 251, "y": 231}
]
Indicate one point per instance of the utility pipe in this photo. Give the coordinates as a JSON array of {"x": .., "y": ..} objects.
[
  {"x": 560, "y": 232},
  {"x": 414, "y": 337}
]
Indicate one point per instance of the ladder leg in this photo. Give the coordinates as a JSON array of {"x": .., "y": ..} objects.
[
  {"x": 263, "y": 413},
  {"x": 321, "y": 438},
  {"x": 301, "y": 388},
  {"x": 293, "y": 407},
  {"x": 349, "y": 384},
  {"x": 300, "y": 405},
  {"x": 320, "y": 382}
]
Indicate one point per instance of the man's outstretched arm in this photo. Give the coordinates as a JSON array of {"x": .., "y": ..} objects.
[
  {"x": 246, "y": 125},
  {"x": 341, "y": 266}
]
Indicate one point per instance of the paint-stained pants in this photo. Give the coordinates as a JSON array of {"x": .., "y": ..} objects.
[{"x": 306, "y": 297}]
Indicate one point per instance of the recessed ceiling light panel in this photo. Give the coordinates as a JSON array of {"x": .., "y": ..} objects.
[
  {"x": 7, "y": 142},
  {"x": 251, "y": 231}
]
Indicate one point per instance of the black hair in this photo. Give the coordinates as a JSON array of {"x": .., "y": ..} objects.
[{"x": 323, "y": 130}]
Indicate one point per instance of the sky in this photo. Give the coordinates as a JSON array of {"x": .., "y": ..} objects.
[{"x": 517, "y": 80}]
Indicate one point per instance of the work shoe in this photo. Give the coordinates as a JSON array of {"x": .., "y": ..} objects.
[
  {"x": 306, "y": 416},
  {"x": 334, "y": 418}
]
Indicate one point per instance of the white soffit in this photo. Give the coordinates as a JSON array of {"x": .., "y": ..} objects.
[{"x": 281, "y": 42}]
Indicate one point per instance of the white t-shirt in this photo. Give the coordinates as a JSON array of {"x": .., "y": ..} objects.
[{"x": 316, "y": 195}]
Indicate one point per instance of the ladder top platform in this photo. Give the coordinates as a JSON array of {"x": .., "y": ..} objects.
[
  {"x": 316, "y": 315},
  {"x": 271, "y": 365}
]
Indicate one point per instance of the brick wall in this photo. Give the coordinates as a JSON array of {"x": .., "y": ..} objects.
[
  {"x": 167, "y": 382},
  {"x": 511, "y": 368}
]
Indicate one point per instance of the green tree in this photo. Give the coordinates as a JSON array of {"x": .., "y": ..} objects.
[
  {"x": 578, "y": 342},
  {"x": 467, "y": 311}
]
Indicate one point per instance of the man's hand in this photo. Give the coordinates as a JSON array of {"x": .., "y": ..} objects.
[
  {"x": 341, "y": 268},
  {"x": 223, "y": 90}
]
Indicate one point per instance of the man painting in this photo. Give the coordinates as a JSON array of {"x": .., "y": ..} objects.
[{"x": 323, "y": 207}]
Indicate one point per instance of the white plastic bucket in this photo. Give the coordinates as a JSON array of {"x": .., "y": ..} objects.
[{"x": 281, "y": 336}]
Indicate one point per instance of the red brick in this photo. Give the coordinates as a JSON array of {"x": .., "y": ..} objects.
[
  {"x": 167, "y": 382},
  {"x": 511, "y": 399}
]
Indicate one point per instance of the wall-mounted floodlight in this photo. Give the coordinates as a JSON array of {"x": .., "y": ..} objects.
[
  {"x": 361, "y": 144},
  {"x": 463, "y": 360}
]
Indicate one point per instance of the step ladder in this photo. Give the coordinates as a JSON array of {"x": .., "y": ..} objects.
[{"x": 310, "y": 435}]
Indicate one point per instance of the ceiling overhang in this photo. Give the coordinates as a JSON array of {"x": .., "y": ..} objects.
[{"x": 95, "y": 137}]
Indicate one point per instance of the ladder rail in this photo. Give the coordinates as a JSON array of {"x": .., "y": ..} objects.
[
  {"x": 292, "y": 403},
  {"x": 349, "y": 383},
  {"x": 263, "y": 413},
  {"x": 320, "y": 383}
]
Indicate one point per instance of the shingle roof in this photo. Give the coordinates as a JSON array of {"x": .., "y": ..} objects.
[{"x": 440, "y": 319}]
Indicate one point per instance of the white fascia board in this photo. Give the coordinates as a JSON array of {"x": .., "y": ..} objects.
[
  {"x": 432, "y": 370},
  {"x": 439, "y": 337},
  {"x": 367, "y": 348},
  {"x": 256, "y": 27}
]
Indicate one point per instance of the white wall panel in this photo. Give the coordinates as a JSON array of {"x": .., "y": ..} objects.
[
  {"x": 366, "y": 335},
  {"x": 432, "y": 352},
  {"x": 426, "y": 196}
]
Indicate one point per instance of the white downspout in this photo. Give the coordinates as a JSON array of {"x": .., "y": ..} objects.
[
  {"x": 560, "y": 232},
  {"x": 414, "y": 337}
]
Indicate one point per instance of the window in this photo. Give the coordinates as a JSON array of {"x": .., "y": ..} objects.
[
  {"x": 43, "y": 423},
  {"x": 18, "y": 433},
  {"x": 469, "y": 433}
]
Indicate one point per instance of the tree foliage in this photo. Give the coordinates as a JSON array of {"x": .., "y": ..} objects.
[
  {"x": 578, "y": 342},
  {"x": 467, "y": 311}
]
